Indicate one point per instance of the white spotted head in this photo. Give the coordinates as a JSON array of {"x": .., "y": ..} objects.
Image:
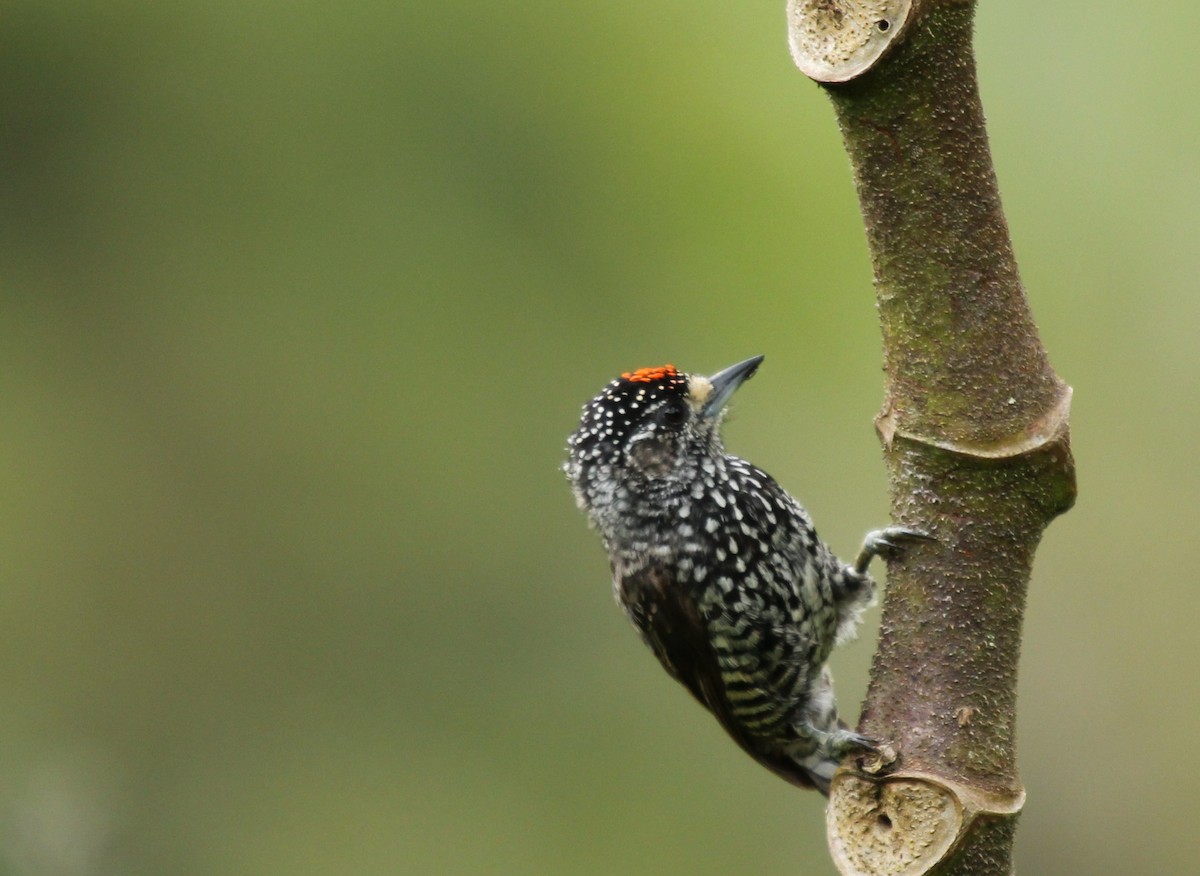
[{"x": 650, "y": 424}]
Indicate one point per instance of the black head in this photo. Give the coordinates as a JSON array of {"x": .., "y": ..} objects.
[{"x": 651, "y": 421}]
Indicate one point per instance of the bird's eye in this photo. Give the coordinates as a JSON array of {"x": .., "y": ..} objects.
[{"x": 675, "y": 414}]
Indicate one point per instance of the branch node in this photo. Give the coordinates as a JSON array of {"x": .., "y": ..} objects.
[
  {"x": 906, "y": 823},
  {"x": 1049, "y": 428},
  {"x": 837, "y": 40}
]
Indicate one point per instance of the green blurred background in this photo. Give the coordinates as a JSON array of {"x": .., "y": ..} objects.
[{"x": 299, "y": 303}]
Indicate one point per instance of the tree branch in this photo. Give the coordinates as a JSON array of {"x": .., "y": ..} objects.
[{"x": 974, "y": 428}]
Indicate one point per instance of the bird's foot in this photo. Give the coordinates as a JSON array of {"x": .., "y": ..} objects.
[{"x": 890, "y": 543}]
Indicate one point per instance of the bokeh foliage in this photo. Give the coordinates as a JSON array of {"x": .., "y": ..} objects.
[{"x": 299, "y": 302}]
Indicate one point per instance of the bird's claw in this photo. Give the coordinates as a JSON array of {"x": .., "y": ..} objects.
[
  {"x": 890, "y": 543},
  {"x": 856, "y": 742}
]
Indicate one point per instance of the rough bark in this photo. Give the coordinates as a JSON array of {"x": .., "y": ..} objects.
[{"x": 974, "y": 429}]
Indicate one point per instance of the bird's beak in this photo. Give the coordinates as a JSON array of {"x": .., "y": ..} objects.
[{"x": 725, "y": 384}]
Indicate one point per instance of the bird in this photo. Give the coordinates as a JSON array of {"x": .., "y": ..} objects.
[{"x": 720, "y": 570}]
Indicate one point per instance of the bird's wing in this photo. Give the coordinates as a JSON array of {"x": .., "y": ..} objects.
[{"x": 671, "y": 624}]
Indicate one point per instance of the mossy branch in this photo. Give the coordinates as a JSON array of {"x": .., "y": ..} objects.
[{"x": 974, "y": 428}]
